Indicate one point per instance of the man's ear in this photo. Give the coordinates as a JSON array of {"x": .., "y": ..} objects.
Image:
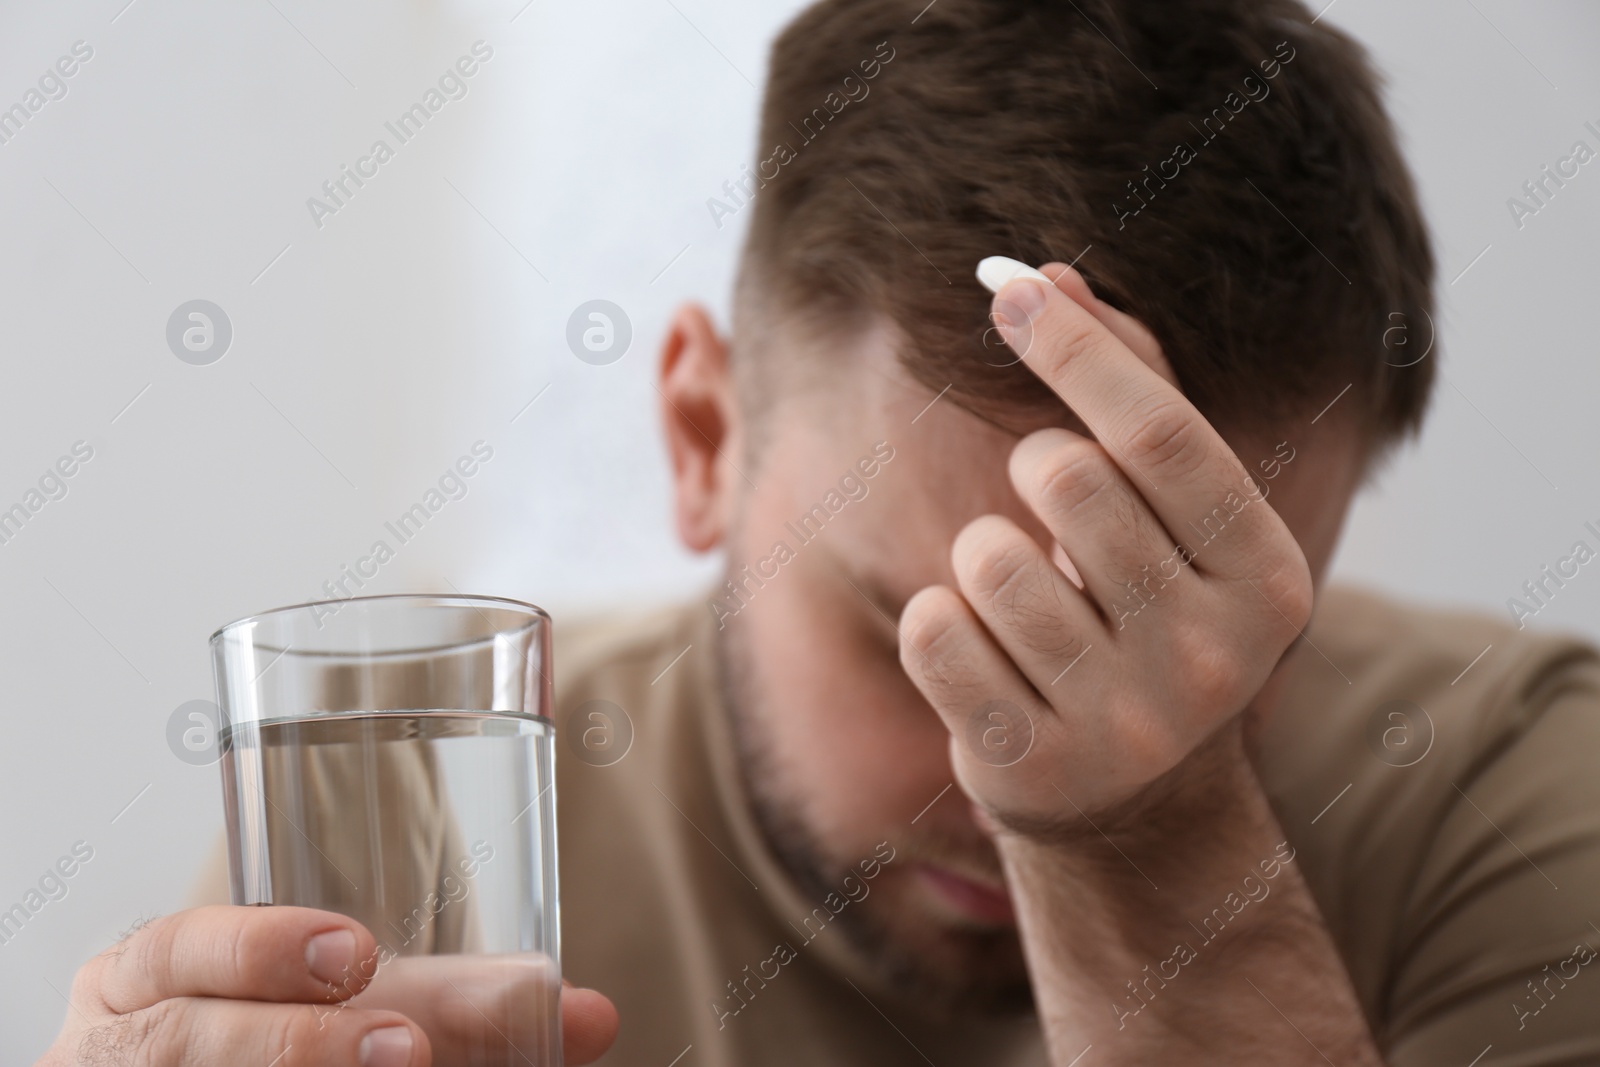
[{"x": 701, "y": 420}]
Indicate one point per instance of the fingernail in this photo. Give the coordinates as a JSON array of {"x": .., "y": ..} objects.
[
  {"x": 388, "y": 1046},
  {"x": 995, "y": 271},
  {"x": 329, "y": 955},
  {"x": 1024, "y": 294}
]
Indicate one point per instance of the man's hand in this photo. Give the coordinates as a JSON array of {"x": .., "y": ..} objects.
[
  {"x": 278, "y": 985},
  {"x": 1095, "y": 692},
  {"x": 1067, "y": 699}
]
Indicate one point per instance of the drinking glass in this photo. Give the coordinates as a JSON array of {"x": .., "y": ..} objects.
[{"x": 390, "y": 758}]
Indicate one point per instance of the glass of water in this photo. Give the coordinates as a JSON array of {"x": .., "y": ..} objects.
[{"x": 390, "y": 758}]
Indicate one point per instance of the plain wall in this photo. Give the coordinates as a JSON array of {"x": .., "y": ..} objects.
[{"x": 372, "y": 351}]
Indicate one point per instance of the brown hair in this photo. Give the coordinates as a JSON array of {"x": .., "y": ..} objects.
[{"x": 1227, "y": 163}]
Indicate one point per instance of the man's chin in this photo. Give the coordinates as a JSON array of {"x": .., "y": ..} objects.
[
  {"x": 937, "y": 931},
  {"x": 945, "y": 947}
]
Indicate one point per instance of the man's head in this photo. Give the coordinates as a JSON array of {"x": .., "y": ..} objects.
[{"x": 1220, "y": 172}]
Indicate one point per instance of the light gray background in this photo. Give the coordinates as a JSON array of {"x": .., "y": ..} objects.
[{"x": 424, "y": 316}]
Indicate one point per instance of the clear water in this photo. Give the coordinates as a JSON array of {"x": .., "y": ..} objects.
[{"x": 436, "y": 830}]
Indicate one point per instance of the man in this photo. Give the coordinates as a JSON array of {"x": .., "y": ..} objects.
[{"x": 1022, "y": 729}]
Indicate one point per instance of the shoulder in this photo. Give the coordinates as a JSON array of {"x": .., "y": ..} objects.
[
  {"x": 1382, "y": 685},
  {"x": 1433, "y": 769},
  {"x": 601, "y": 652},
  {"x": 1415, "y": 645},
  {"x": 1405, "y": 676}
]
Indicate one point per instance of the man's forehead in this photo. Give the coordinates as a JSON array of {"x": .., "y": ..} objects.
[
  {"x": 866, "y": 374},
  {"x": 949, "y": 465},
  {"x": 898, "y": 540}
]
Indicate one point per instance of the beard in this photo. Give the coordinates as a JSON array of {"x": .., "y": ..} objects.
[{"x": 938, "y": 966}]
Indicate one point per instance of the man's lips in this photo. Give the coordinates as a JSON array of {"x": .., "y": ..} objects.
[{"x": 981, "y": 901}]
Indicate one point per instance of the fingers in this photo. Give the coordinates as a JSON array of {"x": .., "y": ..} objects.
[
  {"x": 188, "y": 986},
  {"x": 952, "y": 659},
  {"x": 1165, "y": 447},
  {"x": 1122, "y": 553},
  {"x": 478, "y": 1008},
  {"x": 1029, "y": 607},
  {"x": 588, "y": 1025},
  {"x": 1127, "y": 329},
  {"x": 995, "y": 717},
  {"x": 201, "y": 1031},
  {"x": 271, "y": 953}
]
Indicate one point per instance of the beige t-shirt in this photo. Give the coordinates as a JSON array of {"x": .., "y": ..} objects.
[{"x": 1459, "y": 886}]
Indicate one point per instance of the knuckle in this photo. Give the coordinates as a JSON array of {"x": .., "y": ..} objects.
[
  {"x": 1166, "y": 437},
  {"x": 1072, "y": 336},
  {"x": 936, "y": 646},
  {"x": 303, "y": 1033},
  {"x": 996, "y": 571},
  {"x": 1042, "y": 632},
  {"x": 137, "y": 931},
  {"x": 1152, "y": 745},
  {"x": 932, "y": 628},
  {"x": 1058, "y": 643},
  {"x": 145, "y": 957},
  {"x": 86, "y": 982},
  {"x": 1073, "y": 478},
  {"x": 245, "y": 950},
  {"x": 1291, "y": 591},
  {"x": 1025, "y": 601},
  {"x": 156, "y": 1036},
  {"x": 1140, "y": 582},
  {"x": 1213, "y": 674},
  {"x": 109, "y": 1042}
]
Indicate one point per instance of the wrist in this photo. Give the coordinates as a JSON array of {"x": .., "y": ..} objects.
[
  {"x": 1211, "y": 801},
  {"x": 1142, "y": 922}
]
